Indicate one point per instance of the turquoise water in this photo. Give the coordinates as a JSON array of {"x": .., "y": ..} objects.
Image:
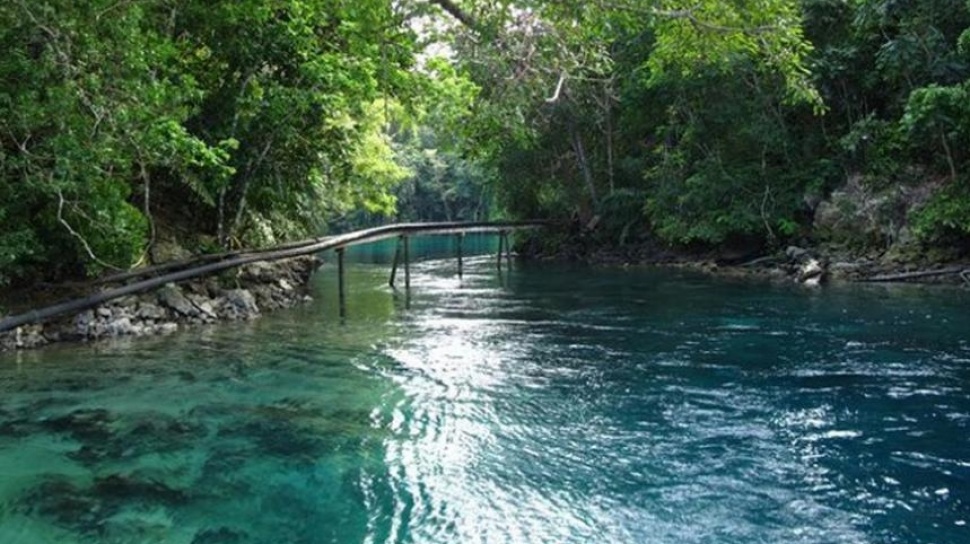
[{"x": 554, "y": 404}]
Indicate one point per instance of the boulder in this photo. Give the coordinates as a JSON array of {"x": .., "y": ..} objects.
[
  {"x": 795, "y": 253},
  {"x": 239, "y": 304},
  {"x": 121, "y": 326},
  {"x": 165, "y": 328},
  {"x": 88, "y": 325},
  {"x": 204, "y": 305},
  {"x": 172, "y": 297},
  {"x": 810, "y": 272},
  {"x": 149, "y": 311}
]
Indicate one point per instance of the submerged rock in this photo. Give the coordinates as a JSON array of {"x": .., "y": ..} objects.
[
  {"x": 239, "y": 304},
  {"x": 60, "y": 501},
  {"x": 222, "y": 535},
  {"x": 120, "y": 489},
  {"x": 93, "y": 508},
  {"x": 84, "y": 425}
]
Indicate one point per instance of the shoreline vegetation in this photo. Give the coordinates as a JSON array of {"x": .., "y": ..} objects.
[
  {"x": 811, "y": 263},
  {"x": 810, "y": 140}
]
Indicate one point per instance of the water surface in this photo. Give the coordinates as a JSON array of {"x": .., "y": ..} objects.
[{"x": 554, "y": 404}]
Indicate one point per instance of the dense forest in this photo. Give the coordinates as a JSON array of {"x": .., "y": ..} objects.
[{"x": 132, "y": 132}]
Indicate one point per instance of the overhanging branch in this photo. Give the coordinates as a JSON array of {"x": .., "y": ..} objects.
[{"x": 457, "y": 12}]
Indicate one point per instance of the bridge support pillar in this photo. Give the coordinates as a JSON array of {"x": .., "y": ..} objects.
[
  {"x": 397, "y": 258},
  {"x": 407, "y": 264},
  {"x": 341, "y": 284},
  {"x": 503, "y": 242},
  {"x": 459, "y": 239},
  {"x": 508, "y": 249},
  {"x": 402, "y": 244}
]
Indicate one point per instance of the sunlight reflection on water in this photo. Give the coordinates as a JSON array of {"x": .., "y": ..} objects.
[{"x": 550, "y": 405}]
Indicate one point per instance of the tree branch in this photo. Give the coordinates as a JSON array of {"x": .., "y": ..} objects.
[
  {"x": 455, "y": 11},
  {"x": 76, "y": 234},
  {"x": 555, "y": 95}
]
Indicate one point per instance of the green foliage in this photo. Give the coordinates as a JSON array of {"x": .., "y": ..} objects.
[
  {"x": 946, "y": 217},
  {"x": 240, "y": 120},
  {"x": 245, "y": 122},
  {"x": 622, "y": 216},
  {"x": 939, "y": 115}
]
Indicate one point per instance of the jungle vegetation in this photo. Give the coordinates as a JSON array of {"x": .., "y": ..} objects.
[{"x": 130, "y": 126}]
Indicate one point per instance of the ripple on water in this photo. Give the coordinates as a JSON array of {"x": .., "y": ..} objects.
[{"x": 539, "y": 407}]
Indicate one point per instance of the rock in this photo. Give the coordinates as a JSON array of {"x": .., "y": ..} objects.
[
  {"x": 169, "y": 250},
  {"x": 119, "y": 327},
  {"x": 204, "y": 305},
  {"x": 795, "y": 253},
  {"x": 222, "y": 535},
  {"x": 165, "y": 328},
  {"x": 149, "y": 311},
  {"x": 268, "y": 286},
  {"x": 239, "y": 304},
  {"x": 145, "y": 525},
  {"x": 171, "y": 296},
  {"x": 296, "y": 271},
  {"x": 810, "y": 272},
  {"x": 88, "y": 325},
  {"x": 265, "y": 296},
  {"x": 261, "y": 272},
  {"x": 845, "y": 270},
  {"x": 28, "y": 336},
  {"x": 8, "y": 341}
]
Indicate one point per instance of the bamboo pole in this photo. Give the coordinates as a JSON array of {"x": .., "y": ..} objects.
[
  {"x": 341, "y": 287},
  {"x": 459, "y": 238},
  {"x": 290, "y": 250},
  {"x": 407, "y": 264},
  {"x": 508, "y": 250},
  {"x": 959, "y": 270},
  {"x": 397, "y": 257}
]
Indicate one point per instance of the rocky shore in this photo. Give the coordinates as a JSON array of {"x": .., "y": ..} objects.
[
  {"x": 249, "y": 292},
  {"x": 808, "y": 264}
]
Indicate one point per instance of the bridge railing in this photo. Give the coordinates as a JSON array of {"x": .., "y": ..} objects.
[{"x": 155, "y": 277}]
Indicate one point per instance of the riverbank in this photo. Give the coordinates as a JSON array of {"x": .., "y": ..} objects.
[
  {"x": 808, "y": 263},
  {"x": 243, "y": 294}
]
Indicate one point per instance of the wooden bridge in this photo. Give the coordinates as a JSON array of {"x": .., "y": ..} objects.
[{"x": 146, "y": 279}]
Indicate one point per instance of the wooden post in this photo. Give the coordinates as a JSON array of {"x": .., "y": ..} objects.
[
  {"x": 340, "y": 282},
  {"x": 498, "y": 259},
  {"x": 407, "y": 264},
  {"x": 508, "y": 250},
  {"x": 397, "y": 256},
  {"x": 459, "y": 238}
]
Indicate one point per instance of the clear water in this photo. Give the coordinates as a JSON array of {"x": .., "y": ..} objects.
[{"x": 553, "y": 405}]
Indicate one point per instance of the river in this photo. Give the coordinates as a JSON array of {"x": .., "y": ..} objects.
[{"x": 553, "y": 404}]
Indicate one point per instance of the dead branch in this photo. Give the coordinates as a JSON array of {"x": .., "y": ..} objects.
[{"x": 962, "y": 271}]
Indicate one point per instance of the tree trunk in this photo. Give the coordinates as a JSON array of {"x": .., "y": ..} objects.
[{"x": 583, "y": 164}]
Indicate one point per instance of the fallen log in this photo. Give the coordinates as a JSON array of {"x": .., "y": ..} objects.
[
  {"x": 295, "y": 249},
  {"x": 902, "y": 276}
]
